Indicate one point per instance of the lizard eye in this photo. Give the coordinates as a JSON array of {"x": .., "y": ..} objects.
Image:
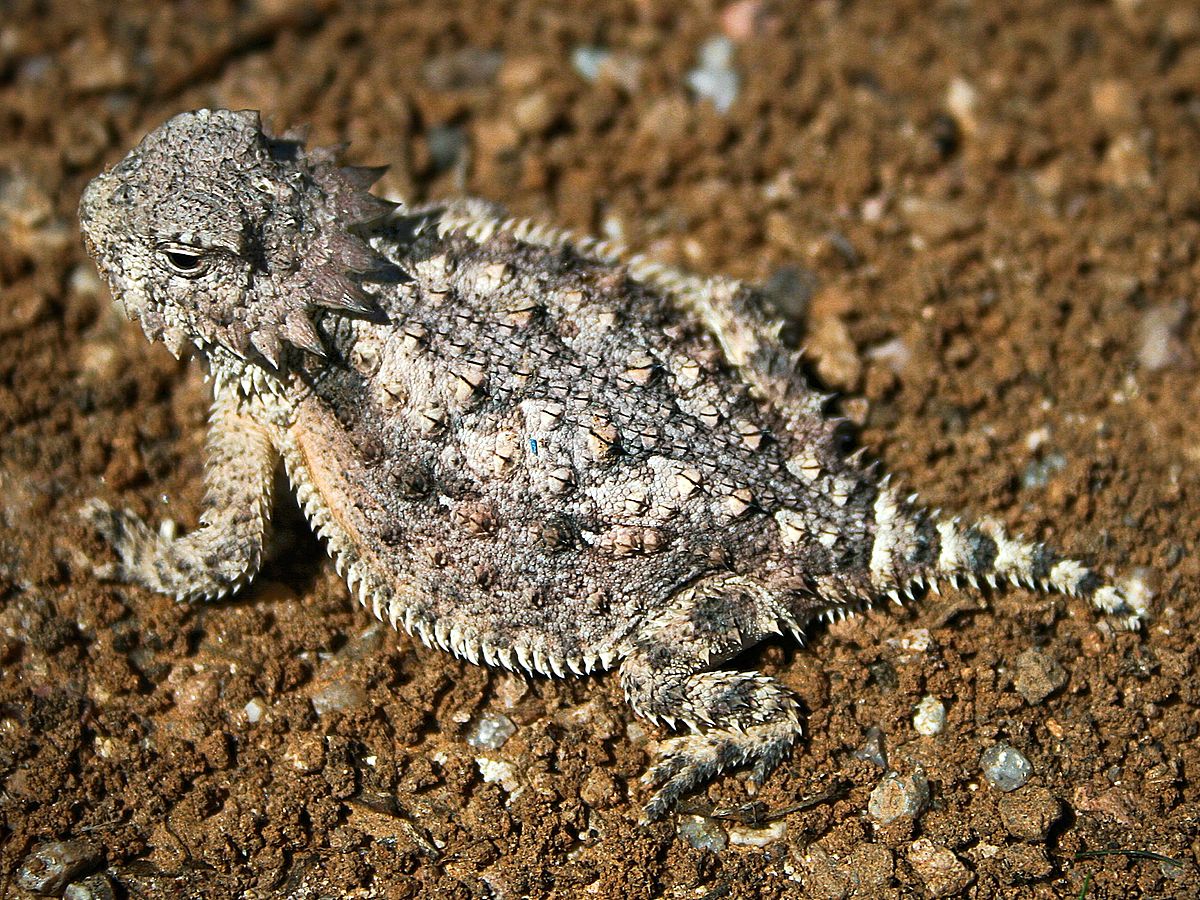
[{"x": 190, "y": 262}]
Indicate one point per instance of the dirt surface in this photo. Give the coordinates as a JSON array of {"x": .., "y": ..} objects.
[{"x": 984, "y": 219}]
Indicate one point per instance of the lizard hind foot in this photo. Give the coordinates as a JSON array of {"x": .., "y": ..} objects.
[{"x": 688, "y": 761}]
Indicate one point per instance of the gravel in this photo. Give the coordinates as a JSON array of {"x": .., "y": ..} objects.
[
  {"x": 1005, "y": 768},
  {"x": 1038, "y": 676},
  {"x": 898, "y": 796},
  {"x": 52, "y": 866},
  {"x": 490, "y": 731},
  {"x": 944, "y": 874},
  {"x": 703, "y": 833},
  {"x": 929, "y": 717},
  {"x": 715, "y": 79}
]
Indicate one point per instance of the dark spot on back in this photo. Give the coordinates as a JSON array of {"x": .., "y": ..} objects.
[{"x": 982, "y": 549}]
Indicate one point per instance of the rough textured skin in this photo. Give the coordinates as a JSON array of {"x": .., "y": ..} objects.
[{"x": 523, "y": 447}]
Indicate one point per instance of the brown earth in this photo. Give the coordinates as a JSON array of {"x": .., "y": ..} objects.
[{"x": 985, "y": 221}]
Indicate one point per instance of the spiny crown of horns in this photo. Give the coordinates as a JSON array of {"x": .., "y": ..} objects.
[{"x": 297, "y": 208}]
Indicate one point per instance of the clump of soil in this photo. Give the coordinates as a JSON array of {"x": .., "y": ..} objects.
[{"x": 984, "y": 221}]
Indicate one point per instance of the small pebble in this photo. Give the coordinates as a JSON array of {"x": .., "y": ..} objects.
[
  {"x": 587, "y": 61},
  {"x": 446, "y": 145},
  {"x": 872, "y": 750},
  {"x": 749, "y": 836},
  {"x": 1038, "y": 676},
  {"x": 599, "y": 789},
  {"x": 1115, "y": 102},
  {"x": 716, "y": 53},
  {"x": 715, "y": 79},
  {"x": 253, "y": 710},
  {"x": 510, "y": 689},
  {"x": 943, "y": 873},
  {"x": 624, "y": 70},
  {"x": 1030, "y": 814},
  {"x": 1171, "y": 869},
  {"x": 930, "y": 716},
  {"x": 837, "y": 360},
  {"x": 94, "y": 887},
  {"x": 871, "y": 868},
  {"x": 884, "y": 675},
  {"x": 916, "y": 640},
  {"x": 937, "y": 221},
  {"x": 745, "y": 19},
  {"x": 895, "y": 354},
  {"x": 1037, "y": 474},
  {"x": 898, "y": 796},
  {"x": 463, "y": 69},
  {"x": 534, "y": 113},
  {"x": 789, "y": 289},
  {"x": 820, "y": 873},
  {"x": 1159, "y": 331},
  {"x": 1127, "y": 164},
  {"x": 490, "y": 731},
  {"x": 338, "y": 696},
  {"x": 35, "y": 68},
  {"x": 1116, "y": 804},
  {"x": 1005, "y": 768},
  {"x": 306, "y": 753},
  {"x": 1037, "y": 438},
  {"x": 496, "y": 771},
  {"x": 963, "y": 101},
  {"x": 1025, "y": 862},
  {"x": 702, "y": 833},
  {"x": 23, "y": 203},
  {"x": 51, "y": 867}
]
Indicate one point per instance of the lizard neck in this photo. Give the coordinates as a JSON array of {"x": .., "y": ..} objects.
[{"x": 247, "y": 381}]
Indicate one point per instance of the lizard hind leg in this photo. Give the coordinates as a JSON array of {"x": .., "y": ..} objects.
[{"x": 736, "y": 718}]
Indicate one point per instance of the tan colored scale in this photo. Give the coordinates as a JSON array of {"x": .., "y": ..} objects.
[
  {"x": 602, "y": 437},
  {"x": 468, "y": 380}
]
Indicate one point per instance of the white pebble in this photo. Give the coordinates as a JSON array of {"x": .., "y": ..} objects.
[
  {"x": 588, "y": 60},
  {"x": 746, "y": 836},
  {"x": 702, "y": 833},
  {"x": 930, "y": 716},
  {"x": 490, "y": 731},
  {"x": 253, "y": 710},
  {"x": 715, "y": 79}
]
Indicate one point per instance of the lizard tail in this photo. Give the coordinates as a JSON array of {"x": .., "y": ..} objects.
[{"x": 915, "y": 548}]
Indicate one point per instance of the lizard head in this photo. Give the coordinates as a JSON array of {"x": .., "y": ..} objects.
[{"x": 213, "y": 231}]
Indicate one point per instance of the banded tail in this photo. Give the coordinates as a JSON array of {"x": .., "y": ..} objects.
[{"x": 915, "y": 548}]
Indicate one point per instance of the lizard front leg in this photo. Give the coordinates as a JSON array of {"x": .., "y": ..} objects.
[{"x": 225, "y": 552}]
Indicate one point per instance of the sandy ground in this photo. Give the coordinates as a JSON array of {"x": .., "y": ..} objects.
[{"x": 982, "y": 218}]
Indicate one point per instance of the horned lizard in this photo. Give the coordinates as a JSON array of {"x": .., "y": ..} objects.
[{"x": 530, "y": 449}]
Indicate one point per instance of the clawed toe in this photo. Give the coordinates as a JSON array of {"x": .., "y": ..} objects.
[
  {"x": 672, "y": 760},
  {"x": 130, "y": 538},
  {"x": 771, "y": 754},
  {"x": 102, "y": 517},
  {"x": 118, "y": 527},
  {"x": 691, "y": 760}
]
